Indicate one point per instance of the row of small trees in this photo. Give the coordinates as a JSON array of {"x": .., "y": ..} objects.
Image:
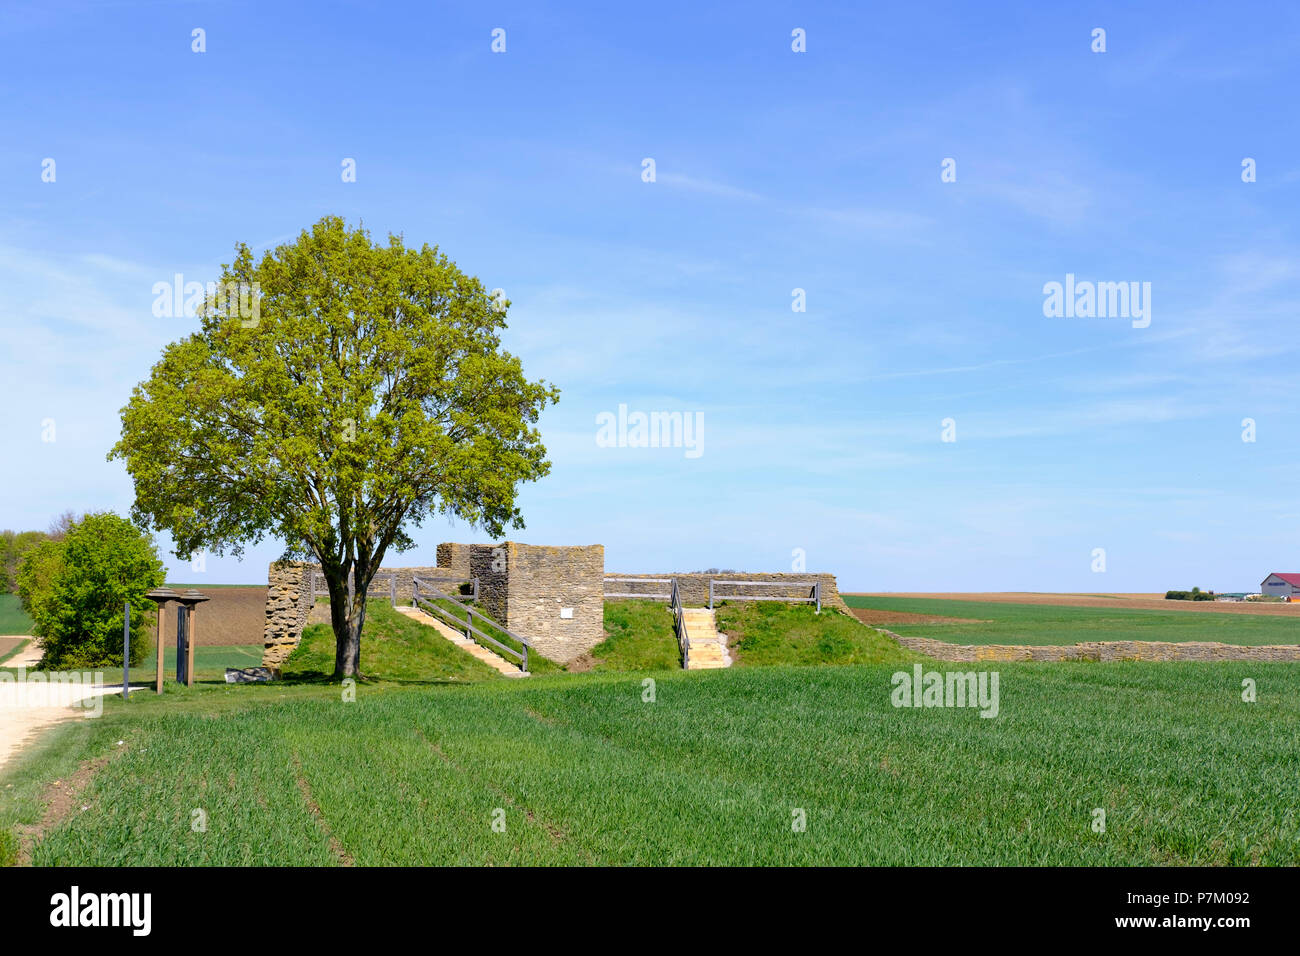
[
  {"x": 14, "y": 545},
  {"x": 75, "y": 582},
  {"x": 1195, "y": 594}
]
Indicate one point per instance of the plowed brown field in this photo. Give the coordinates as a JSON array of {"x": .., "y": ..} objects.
[
  {"x": 232, "y": 616},
  {"x": 874, "y": 617}
]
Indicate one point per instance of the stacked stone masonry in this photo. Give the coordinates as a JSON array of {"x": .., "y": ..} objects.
[
  {"x": 289, "y": 603},
  {"x": 554, "y": 596}
]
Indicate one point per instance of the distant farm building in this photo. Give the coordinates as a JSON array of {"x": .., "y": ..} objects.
[{"x": 1281, "y": 584}]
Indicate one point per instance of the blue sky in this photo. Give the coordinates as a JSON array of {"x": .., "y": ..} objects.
[{"x": 775, "y": 170}]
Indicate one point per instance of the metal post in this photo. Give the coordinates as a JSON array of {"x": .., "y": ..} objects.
[
  {"x": 469, "y": 619},
  {"x": 817, "y": 593},
  {"x": 710, "y": 594},
  {"x": 126, "y": 650},
  {"x": 392, "y": 589},
  {"x": 525, "y": 658}
]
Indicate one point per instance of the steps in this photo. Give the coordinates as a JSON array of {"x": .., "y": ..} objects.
[
  {"x": 493, "y": 660},
  {"x": 706, "y": 648}
]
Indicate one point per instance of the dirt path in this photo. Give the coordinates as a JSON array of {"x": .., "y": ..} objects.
[
  {"x": 28, "y": 708},
  {"x": 29, "y": 656}
]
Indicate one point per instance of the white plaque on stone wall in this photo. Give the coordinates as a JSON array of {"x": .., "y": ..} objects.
[{"x": 566, "y": 612}]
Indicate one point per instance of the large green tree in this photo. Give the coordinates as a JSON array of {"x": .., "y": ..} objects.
[{"x": 353, "y": 390}]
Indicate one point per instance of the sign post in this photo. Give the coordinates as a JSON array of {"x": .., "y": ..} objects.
[
  {"x": 160, "y": 596},
  {"x": 126, "y": 651}
]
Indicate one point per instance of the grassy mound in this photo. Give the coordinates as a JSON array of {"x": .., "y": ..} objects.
[
  {"x": 393, "y": 647},
  {"x": 641, "y": 638},
  {"x": 765, "y": 633}
]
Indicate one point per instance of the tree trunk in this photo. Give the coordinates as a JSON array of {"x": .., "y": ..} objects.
[{"x": 347, "y": 616}]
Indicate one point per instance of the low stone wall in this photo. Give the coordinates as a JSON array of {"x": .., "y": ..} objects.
[
  {"x": 1099, "y": 651},
  {"x": 694, "y": 588},
  {"x": 289, "y": 602}
]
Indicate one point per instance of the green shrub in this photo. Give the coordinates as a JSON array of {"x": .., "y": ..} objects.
[{"x": 75, "y": 589}]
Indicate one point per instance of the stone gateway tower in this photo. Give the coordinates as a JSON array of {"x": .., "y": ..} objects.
[{"x": 554, "y": 596}]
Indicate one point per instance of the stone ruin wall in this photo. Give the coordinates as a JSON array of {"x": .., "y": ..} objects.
[
  {"x": 289, "y": 604},
  {"x": 554, "y": 596},
  {"x": 694, "y": 588},
  {"x": 551, "y": 595}
]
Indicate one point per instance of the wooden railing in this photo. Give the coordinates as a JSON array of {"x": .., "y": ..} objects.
[
  {"x": 658, "y": 596},
  {"x": 433, "y": 582},
  {"x": 814, "y": 596},
  {"x": 426, "y": 595},
  {"x": 318, "y": 585},
  {"x": 679, "y": 624}
]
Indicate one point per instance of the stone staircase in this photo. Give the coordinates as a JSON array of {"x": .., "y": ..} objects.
[
  {"x": 496, "y": 661},
  {"x": 706, "y": 648}
]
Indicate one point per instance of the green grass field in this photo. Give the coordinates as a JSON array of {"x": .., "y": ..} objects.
[
  {"x": 210, "y": 663},
  {"x": 1047, "y": 624},
  {"x": 581, "y": 769},
  {"x": 13, "y": 619},
  {"x": 709, "y": 767}
]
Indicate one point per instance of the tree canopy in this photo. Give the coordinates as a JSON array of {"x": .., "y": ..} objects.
[{"x": 349, "y": 392}]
